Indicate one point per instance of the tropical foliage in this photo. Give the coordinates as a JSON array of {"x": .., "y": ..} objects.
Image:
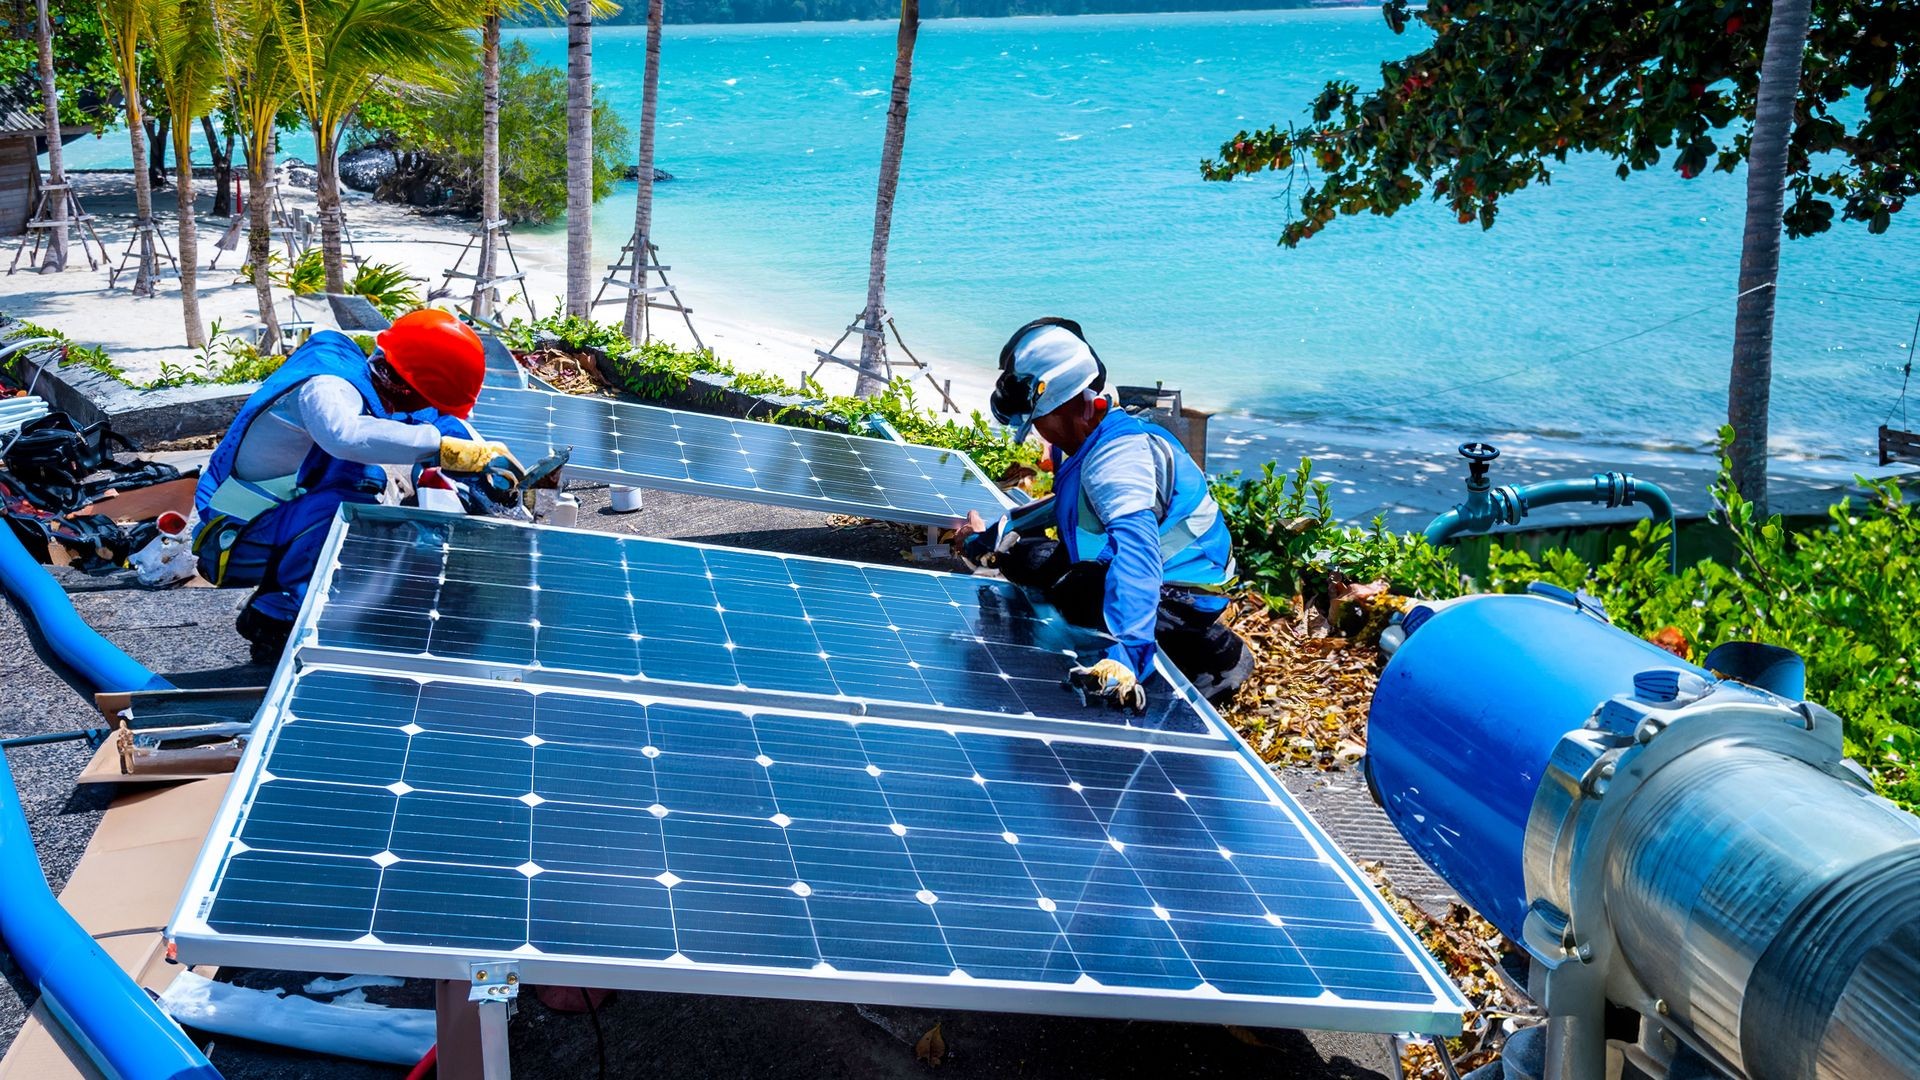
[
  {"x": 441, "y": 138},
  {"x": 1841, "y": 594},
  {"x": 338, "y": 52},
  {"x": 1506, "y": 90}
]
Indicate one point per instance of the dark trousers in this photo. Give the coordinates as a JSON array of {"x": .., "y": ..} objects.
[{"x": 1198, "y": 642}]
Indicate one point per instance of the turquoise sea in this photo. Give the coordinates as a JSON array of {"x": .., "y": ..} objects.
[{"x": 1051, "y": 168}]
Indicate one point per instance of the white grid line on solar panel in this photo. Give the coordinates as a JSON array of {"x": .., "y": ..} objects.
[
  {"x": 655, "y": 447},
  {"x": 380, "y": 783},
  {"x": 663, "y": 611}
]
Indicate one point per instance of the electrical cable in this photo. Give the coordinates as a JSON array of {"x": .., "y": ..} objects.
[
  {"x": 1906, "y": 377},
  {"x": 599, "y": 1038}
]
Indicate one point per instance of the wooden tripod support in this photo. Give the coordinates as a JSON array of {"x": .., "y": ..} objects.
[
  {"x": 629, "y": 275},
  {"x": 887, "y": 362},
  {"x": 40, "y": 229}
]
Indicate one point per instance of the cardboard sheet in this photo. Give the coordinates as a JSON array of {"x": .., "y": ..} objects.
[{"x": 122, "y": 893}]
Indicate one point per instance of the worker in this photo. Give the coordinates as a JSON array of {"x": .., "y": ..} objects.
[
  {"x": 1142, "y": 550},
  {"x": 317, "y": 434}
]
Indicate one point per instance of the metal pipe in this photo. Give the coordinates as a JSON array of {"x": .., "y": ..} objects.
[
  {"x": 106, "y": 668},
  {"x": 1778, "y": 925}
]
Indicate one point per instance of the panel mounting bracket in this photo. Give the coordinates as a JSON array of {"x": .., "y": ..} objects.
[{"x": 493, "y": 985}]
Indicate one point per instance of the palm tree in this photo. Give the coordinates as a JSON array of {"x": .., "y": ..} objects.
[
  {"x": 338, "y": 52},
  {"x": 56, "y": 259},
  {"x": 186, "y": 60},
  {"x": 123, "y": 22},
  {"x": 579, "y": 157},
  {"x": 643, "y": 200},
  {"x": 873, "y": 346},
  {"x": 491, "y": 15},
  {"x": 1750, "y": 386},
  {"x": 259, "y": 83}
]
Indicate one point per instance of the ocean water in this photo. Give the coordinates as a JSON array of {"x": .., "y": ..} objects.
[{"x": 1051, "y": 167}]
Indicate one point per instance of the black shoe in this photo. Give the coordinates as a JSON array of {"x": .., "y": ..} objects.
[
  {"x": 1218, "y": 687},
  {"x": 266, "y": 636}
]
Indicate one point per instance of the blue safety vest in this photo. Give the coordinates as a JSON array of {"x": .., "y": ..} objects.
[
  {"x": 226, "y": 503},
  {"x": 1196, "y": 550}
]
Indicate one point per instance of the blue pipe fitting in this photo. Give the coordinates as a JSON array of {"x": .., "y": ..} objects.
[{"x": 1486, "y": 506}]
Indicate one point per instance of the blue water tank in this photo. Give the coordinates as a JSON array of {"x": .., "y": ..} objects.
[{"x": 1466, "y": 716}]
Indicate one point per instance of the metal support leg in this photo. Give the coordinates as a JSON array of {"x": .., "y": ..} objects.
[{"x": 471, "y": 1023}]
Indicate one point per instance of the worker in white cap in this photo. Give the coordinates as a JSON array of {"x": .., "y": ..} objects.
[{"x": 1143, "y": 552}]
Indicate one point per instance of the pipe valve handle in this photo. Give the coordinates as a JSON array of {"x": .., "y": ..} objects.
[{"x": 1478, "y": 452}]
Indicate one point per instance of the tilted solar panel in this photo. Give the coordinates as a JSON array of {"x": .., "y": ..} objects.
[
  {"x": 713, "y": 622},
  {"x": 669, "y": 449},
  {"x": 437, "y": 781}
]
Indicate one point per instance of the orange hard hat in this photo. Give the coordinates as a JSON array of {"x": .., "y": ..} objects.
[{"x": 437, "y": 355}]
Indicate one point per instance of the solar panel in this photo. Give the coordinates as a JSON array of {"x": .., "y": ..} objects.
[
  {"x": 565, "y": 606},
  {"x": 502, "y": 370},
  {"x": 395, "y": 823},
  {"x": 668, "y": 449}
]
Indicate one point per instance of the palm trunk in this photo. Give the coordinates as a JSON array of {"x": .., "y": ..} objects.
[
  {"x": 636, "y": 325},
  {"x": 489, "y": 160},
  {"x": 579, "y": 158},
  {"x": 189, "y": 238},
  {"x": 1750, "y": 387},
  {"x": 260, "y": 243},
  {"x": 873, "y": 347},
  {"x": 222, "y": 169},
  {"x": 56, "y": 259},
  {"x": 327, "y": 197},
  {"x": 144, "y": 274},
  {"x": 157, "y": 134}
]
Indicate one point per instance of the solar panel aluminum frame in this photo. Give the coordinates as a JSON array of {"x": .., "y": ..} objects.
[
  {"x": 576, "y": 471},
  {"x": 198, "y": 943},
  {"x": 303, "y": 637}
]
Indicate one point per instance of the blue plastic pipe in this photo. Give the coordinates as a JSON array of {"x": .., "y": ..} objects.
[
  {"x": 106, "y": 668},
  {"x": 111, "y": 1018}
]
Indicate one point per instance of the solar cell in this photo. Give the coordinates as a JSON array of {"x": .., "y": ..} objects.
[
  {"x": 713, "y": 622},
  {"x": 408, "y": 824},
  {"x": 651, "y": 447}
]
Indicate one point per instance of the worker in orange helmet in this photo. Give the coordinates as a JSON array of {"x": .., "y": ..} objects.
[{"x": 317, "y": 434}]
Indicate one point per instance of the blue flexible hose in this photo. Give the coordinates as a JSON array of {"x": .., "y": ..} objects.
[
  {"x": 106, "y": 668},
  {"x": 112, "y": 1019}
]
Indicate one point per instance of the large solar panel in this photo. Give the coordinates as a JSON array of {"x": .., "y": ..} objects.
[
  {"x": 712, "y": 622},
  {"x": 425, "y": 792},
  {"x": 650, "y": 447}
]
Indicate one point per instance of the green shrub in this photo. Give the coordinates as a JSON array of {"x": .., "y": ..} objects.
[
  {"x": 225, "y": 360},
  {"x": 1842, "y": 595},
  {"x": 87, "y": 356}
]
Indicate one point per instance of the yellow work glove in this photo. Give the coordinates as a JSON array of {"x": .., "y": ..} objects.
[
  {"x": 1110, "y": 681},
  {"x": 472, "y": 455}
]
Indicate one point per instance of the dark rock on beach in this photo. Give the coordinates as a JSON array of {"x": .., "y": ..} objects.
[
  {"x": 365, "y": 169},
  {"x": 659, "y": 175},
  {"x": 299, "y": 174}
]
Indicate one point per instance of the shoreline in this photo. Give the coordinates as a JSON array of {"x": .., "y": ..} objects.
[{"x": 1404, "y": 476}]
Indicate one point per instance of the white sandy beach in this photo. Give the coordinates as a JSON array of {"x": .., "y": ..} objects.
[{"x": 142, "y": 334}]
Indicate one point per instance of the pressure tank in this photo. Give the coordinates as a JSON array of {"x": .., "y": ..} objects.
[
  {"x": 1466, "y": 716},
  {"x": 1660, "y": 837}
]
